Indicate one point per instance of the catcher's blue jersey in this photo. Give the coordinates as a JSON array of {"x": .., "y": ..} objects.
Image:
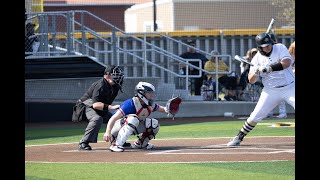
[{"x": 133, "y": 106}]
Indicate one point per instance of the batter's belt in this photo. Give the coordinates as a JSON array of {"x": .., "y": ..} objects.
[{"x": 284, "y": 85}]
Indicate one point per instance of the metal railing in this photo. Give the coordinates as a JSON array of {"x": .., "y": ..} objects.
[{"x": 55, "y": 40}]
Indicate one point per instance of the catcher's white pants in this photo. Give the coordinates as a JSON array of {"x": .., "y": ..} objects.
[{"x": 122, "y": 130}]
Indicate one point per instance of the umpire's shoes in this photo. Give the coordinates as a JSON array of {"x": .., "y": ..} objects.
[{"x": 84, "y": 146}]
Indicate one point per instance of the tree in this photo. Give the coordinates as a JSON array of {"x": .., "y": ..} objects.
[{"x": 288, "y": 10}]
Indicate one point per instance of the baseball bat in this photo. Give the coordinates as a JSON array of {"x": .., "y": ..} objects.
[
  {"x": 238, "y": 58},
  {"x": 270, "y": 25}
]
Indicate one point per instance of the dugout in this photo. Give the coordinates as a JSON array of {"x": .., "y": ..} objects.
[
  {"x": 53, "y": 84},
  {"x": 40, "y": 104}
]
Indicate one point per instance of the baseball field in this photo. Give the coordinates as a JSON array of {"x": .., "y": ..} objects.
[{"x": 185, "y": 148}]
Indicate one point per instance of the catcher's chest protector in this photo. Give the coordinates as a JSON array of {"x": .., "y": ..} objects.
[{"x": 142, "y": 113}]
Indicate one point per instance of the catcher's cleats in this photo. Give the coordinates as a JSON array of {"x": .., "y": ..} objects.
[
  {"x": 113, "y": 140},
  {"x": 137, "y": 145},
  {"x": 115, "y": 148},
  {"x": 126, "y": 144}
]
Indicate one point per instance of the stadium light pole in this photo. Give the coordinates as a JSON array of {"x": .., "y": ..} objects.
[{"x": 155, "y": 26}]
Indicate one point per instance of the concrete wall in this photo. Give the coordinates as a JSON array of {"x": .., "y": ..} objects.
[
  {"x": 62, "y": 111},
  {"x": 139, "y": 16},
  {"x": 176, "y": 15},
  {"x": 225, "y": 15},
  {"x": 65, "y": 90}
]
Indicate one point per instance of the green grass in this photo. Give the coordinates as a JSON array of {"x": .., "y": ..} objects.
[
  {"x": 266, "y": 170},
  {"x": 281, "y": 170}
]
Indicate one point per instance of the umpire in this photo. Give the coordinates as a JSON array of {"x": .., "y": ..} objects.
[{"x": 98, "y": 100}]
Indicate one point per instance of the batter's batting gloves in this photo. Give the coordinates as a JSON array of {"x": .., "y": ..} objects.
[{"x": 265, "y": 69}]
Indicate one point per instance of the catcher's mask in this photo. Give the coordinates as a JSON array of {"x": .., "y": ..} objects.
[{"x": 145, "y": 91}]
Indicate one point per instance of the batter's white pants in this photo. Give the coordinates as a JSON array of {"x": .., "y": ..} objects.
[{"x": 270, "y": 98}]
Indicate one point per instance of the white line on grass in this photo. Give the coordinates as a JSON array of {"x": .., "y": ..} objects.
[
  {"x": 168, "y": 139},
  {"x": 193, "y": 162}
]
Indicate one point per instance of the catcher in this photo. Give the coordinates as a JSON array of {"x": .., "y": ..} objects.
[{"x": 132, "y": 118}]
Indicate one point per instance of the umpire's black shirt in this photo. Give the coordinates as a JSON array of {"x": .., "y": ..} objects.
[{"x": 101, "y": 91}]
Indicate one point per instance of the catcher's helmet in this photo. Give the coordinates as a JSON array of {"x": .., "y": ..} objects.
[
  {"x": 263, "y": 39},
  {"x": 142, "y": 88}
]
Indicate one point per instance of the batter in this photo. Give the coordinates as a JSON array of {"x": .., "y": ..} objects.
[{"x": 273, "y": 63}]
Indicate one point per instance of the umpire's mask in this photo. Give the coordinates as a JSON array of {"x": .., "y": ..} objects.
[{"x": 116, "y": 74}]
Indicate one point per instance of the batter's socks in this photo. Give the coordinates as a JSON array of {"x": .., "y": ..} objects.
[
  {"x": 246, "y": 128},
  {"x": 241, "y": 135}
]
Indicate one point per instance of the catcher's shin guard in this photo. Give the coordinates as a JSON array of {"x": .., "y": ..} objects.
[
  {"x": 116, "y": 128},
  {"x": 152, "y": 128},
  {"x": 130, "y": 126}
]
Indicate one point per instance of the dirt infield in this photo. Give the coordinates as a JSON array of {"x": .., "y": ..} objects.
[{"x": 171, "y": 150}]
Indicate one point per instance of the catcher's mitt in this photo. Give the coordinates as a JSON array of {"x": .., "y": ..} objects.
[{"x": 173, "y": 105}]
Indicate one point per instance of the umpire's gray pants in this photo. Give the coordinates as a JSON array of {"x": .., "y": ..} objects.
[{"x": 94, "y": 125}]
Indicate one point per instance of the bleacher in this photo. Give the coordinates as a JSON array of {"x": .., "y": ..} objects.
[{"x": 63, "y": 68}]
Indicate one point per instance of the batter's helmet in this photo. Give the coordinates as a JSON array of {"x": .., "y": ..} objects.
[
  {"x": 263, "y": 39},
  {"x": 274, "y": 38}
]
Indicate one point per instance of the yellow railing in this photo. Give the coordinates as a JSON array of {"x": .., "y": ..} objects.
[{"x": 233, "y": 32}]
